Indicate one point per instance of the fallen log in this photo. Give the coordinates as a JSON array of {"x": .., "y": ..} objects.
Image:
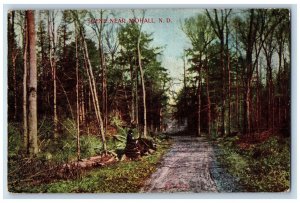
[{"x": 96, "y": 161}]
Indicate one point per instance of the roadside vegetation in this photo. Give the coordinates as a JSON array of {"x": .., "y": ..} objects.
[{"x": 260, "y": 165}]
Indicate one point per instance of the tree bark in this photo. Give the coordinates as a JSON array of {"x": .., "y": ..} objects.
[
  {"x": 237, "y": 87},
  {"x": 208, "y": 100},
  {"x": 77, "y": 98},
  {"x": 32, "y": 99},
  {"x": 132, "y": 117},
  {"x": 25, "y": 127},
  {"x": 199, "y": 103},
  {"x": 14, "y": 57},
  {"x": 223, "y": 87},
  {"x": 248, "y": 75},
  {"x": 82, "y": 104},
  {"x": 143, "y": 85},
  {"x": 137, "y": 121},
  {"x": 229, "y": 79},
  {"x": 52, "y": 59}
]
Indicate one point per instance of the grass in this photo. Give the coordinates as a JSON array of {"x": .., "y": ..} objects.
[
  {"x": 261, "y": 167},
  {"x": 122, "y": 177}
]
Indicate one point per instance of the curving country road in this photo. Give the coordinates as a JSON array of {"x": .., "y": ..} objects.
[{"x": 190, "y": 166}]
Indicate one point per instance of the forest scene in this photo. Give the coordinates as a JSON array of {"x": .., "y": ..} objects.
[{"x": 149, "y": 100}]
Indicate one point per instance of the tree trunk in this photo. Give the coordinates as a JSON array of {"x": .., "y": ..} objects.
[
  {"x": 248, "y": 75},
  {"x": 199, "y": 103},
  {"x": 229, "y": 80},
  {"x": 132, "y": 117},
  {"x": 160, "y": 125},
  {"x": 32, "y": 99},
  {"x": 223, "y": 87},
  {"x": 25, "y": 127},
  {"x": 237, "y": 87},
  {"x": 208, "y": 100},
  {"x": 248, "y": 101},
  {"x": 143, "y": 85},
  {"x": 52, "y": 59},
  {"x": 137, "y": 103},
  {"x": 93, "y": 91},
  {"x": 257, "y": 100},
  {"x": 14, "y": 57},
  {"x": 82, "y": 105},
  {"x": 104, "y": 91},
  {"x": 77, "y": 99}
]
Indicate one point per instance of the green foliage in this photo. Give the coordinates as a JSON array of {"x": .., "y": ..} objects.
[
  {"x": 90, "y": 146},
  {"x": 69, "y": 127},
  {"x": 119, "y": 124},
  {"x": 45, "y": 129},
  {"x": 62, "y": 150},
  {"x": 263, "y": 167},
  {"x": 15, "y": 139}
]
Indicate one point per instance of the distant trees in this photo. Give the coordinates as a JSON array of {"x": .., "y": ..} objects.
[
  {"x": 239, "y": 68},
  {"x": 142, "y": 62},
  {"x": 199, "y": 31},
  {"x": 220, "y": 24}
]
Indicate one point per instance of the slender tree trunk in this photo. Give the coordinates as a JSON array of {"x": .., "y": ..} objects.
[
  {"x": 54, "y": 104},
  {"x": 229, "y": 81},
  {"x": 143, "y": 85},
  {"x": 249, "y": 66},
  {"x": 32, "y": 99},
  {"x": 137, "y": 103},
  {"x": 184, "y": 88},
  {"x": 14, "y": 57},
  {"x": 280, "y": 88},
  {"x": 223, "y": 87},
  {"x": 248, "y": 111},
  {"x": 83, "y": 110},
  {"x": 237, "y": 99},
  {"x": 77, "y": 98},
  {"x": 208, "y": 100},
  {"x": 25, "y": 128},
  {"x": 257, "y": 99},
  {"x": 280, "y": 82},
  {"x": 89, "y": 102},
  {"x": 237, "y": 86},
  {"x": 104, "y": 91},
  {"x": 132, "y": 95},
  {"x": 94, "y": 91},
  {"x": 52, "y": 59},
  {"x": 160, "y": 120},
  {"x": 199, "y": 103}
]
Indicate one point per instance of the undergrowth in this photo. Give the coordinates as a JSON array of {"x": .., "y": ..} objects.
[
  {"x": 259, "y": 167},
  {"x": 40, "y": 174},
  {"x": 121, "y": 177}
]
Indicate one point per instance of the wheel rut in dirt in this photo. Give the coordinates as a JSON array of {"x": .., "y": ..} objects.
[{"x": 185, "y": 168}]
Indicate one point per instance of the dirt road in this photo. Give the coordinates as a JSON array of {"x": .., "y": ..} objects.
[{"x": 189, "y": 166}]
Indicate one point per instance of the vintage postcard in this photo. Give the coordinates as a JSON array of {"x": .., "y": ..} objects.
[{"x": 149, "y": 100}]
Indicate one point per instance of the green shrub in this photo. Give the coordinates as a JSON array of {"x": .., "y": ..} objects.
[
  {"x": 238, "y": 164},
  {"x": 90, "y": 146},
  {"x": 45, "y": 129},
  {"x": 15, "y": 139},
  {"x": 69, "y": 127}
]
